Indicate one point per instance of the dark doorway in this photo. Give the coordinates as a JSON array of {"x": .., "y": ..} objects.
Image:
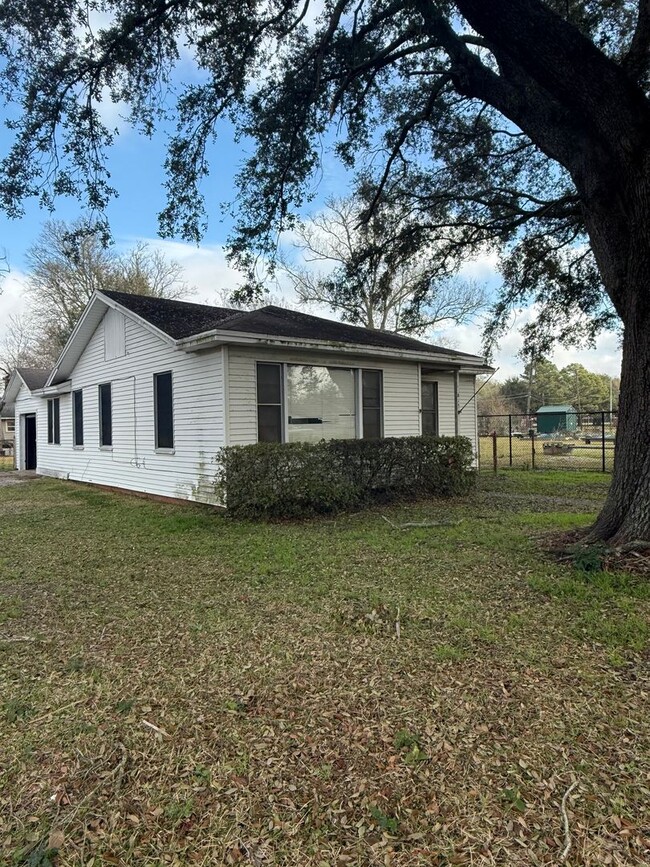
[{"x": 30, "y": 442}]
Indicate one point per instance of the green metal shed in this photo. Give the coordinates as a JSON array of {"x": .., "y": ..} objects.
[{"x": 556, "y": 419}]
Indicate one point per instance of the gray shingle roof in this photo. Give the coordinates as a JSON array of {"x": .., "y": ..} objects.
[
  {"x": 33, "y": 377},
  {"x": 176, "y": 318},
  {"x": 7, "y": 410},
  {"x": 181, "y": 319}
]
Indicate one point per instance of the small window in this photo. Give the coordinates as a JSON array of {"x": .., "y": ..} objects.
[
  {"x": 371, "y": 398},
  {"x": 430, "y": 408},
  {"x": 53, "y": 421},
  {"x": 11, "y": 425},
  {"x": 269, "y": 403},
  {"x": 163, "y": 410},
  {"x": 105, "y": 415},
  {"x": 77, "y": 418}
]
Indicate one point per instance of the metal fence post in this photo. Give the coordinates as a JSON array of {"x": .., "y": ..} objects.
[
  {"x": 532, "y": 448},
  {"x": 602, "y": 434},
  {"x": 510, "y": 436},
  {"x": 494, "y": 451}
]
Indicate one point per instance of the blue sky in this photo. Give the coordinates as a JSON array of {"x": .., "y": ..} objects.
[{"x": 136, "y": 166}]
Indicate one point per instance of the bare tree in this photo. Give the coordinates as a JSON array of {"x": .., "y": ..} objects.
[
  {"x": 20, "y": 346},
  {"x": 69, "y": 262},
  {"x": 374, "y": 272}
]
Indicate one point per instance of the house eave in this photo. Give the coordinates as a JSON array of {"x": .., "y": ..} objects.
[
  {"x": 54, "y": 390},
  {"x": 210, "y": 339}
]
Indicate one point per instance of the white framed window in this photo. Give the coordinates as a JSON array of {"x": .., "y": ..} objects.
[
  {"x": 163, "y": 399},
  {"x": 310, "y": 402},
  {"x": 54, "y": 421},
  {"x": 77, "y": 418},
  {"x": 269, "y": 403},
  {"x": 105, "y": 415}
]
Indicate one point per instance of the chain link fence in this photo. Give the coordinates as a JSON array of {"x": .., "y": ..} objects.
[{"x": 554, "y": 440}]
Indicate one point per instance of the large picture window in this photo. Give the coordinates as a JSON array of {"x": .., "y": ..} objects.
[
  {"x": 371, "y": 401},
  {"x": 269, "y": 403},
  {"x": 430, "y": 408},
  {"x": 321, "y": 403},
  {"x": 77, "y": 418},
  {"x": 54, "y": 421},
  {"x": 163, "y": 410},
  {"x": 105, "y": 415}
]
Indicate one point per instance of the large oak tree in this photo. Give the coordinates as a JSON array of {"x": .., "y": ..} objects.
[{"x": 516, "y": 122}]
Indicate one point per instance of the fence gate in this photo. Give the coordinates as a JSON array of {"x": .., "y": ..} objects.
[{"x": 557, "y": 441}]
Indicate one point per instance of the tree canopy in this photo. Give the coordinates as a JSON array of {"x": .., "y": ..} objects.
[
  {"x": 450, "y": 111},
  {"x": 519, "y": 123}
]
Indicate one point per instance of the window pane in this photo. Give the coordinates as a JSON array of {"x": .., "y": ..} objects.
[
  {"x": 105, "y": 415},
  {"x": 53, "y": 421},
  {"x": 78, "y": 417},
  {"x": 371, "y": 387},
  {"x": 57, "y": 421},
  {"x": 269, "y": 424},
  {"x": 269, "y": 389},
  {"x": 371, "y": 423},
  {"x": 164, "y": 411},
  {"x": 321, "y": 403},
  {"x": 371, "y": 398},
  {"x": 430, "y": 408},
  {"x": 429, "y": 390},
  {"x": 429, "y": 423}
]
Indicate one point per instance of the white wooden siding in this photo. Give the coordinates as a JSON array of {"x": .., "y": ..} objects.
[
  {"x": 26, "y": 403},
  {"x": 468, "y": 423},
  {"x": 401, "y": 389},
  {"x": 133, "y": 461}
]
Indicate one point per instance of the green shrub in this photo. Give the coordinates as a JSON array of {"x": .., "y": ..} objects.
[{"x": 287, "y": 480}]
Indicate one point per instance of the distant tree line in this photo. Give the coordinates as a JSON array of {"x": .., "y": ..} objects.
[{"x": 543, "y": 383}]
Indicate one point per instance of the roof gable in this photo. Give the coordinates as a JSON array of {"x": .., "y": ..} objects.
[
  {"x": 33, "y": 377},
  {"x": 30, "y": 377}
]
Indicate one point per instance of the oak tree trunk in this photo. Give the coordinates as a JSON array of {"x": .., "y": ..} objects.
[
  {"x": 626, "y": 514},
  {"x": 620, "y": 238}
]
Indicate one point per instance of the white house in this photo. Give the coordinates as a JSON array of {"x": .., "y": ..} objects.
[{"x": 147, "y": 390}]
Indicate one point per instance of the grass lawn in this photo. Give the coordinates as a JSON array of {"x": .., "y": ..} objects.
[
  {"x": 178, "y": 688},
  {"x": 581, "y": 457},
  {"x": 6, "y": 463}
]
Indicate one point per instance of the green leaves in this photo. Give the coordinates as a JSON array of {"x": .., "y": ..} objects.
[
  {"x": 292, "y": 480},
  {"x": 513, "y": 797}
]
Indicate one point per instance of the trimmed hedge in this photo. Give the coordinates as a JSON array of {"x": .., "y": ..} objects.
[{"x": 288, "y": 480}]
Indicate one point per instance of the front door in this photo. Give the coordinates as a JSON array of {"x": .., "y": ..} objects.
[{"x": 29, "y": 452}]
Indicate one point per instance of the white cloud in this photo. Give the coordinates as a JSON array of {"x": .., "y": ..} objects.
[
  {"x": 483, "y": 268},
  {"x": 604, "y": 358},
  {"x": 12, "y": 299}
]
